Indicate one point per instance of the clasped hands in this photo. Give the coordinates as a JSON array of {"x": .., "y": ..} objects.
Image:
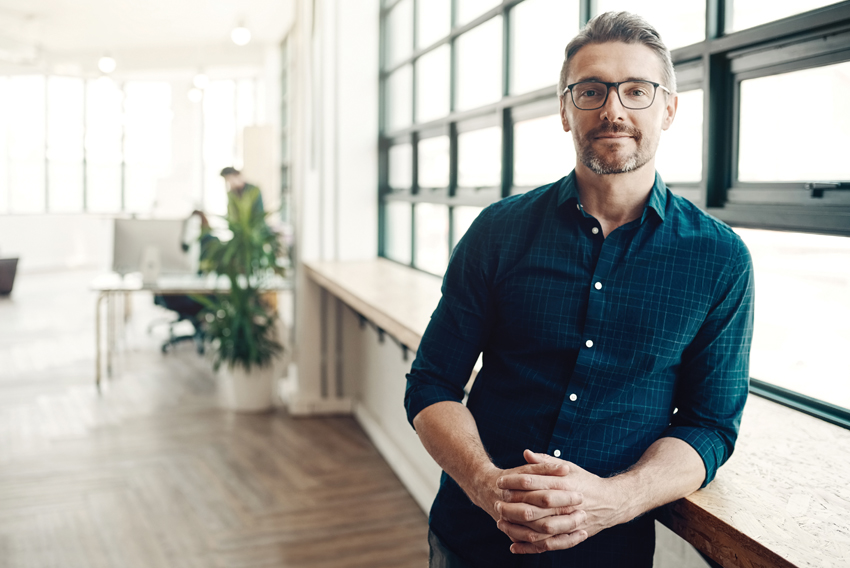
[{"x": 551, "y": 504}]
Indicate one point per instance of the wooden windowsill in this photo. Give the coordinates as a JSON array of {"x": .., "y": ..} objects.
[{"x": 782, "y": 499}]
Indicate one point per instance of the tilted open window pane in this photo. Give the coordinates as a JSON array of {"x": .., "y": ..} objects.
[
  {"x": 479, "y": 65},
  {"x": 802, "y": 313},
  {"x": 468, "y": 10},
  {"x": 433, "y": 21},
  {"x": 749, "y": 13},
  {"x": 433, "y": 87},
  {"x": 399, "y": 109},
  {"x": 540, "y": 32},
  {"x": 4, "y": 144},
  {"x": 479, "y": 158},
  {"x": 679, "y": 156},
  {"x": 679, "y": 23},
  {"x": 397, "y": 231},
  {"x": 400, "y": 33},
  {"x": 463, "y": 216},
  {"x": 434, "y": 162},
  {"x": 543, "y": 152},
  {"x": 401, "y": 166},
  {"x": 812, "y": 143},
  {"x": 432, "y": 237}
]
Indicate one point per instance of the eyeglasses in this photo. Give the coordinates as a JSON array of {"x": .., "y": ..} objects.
[{"x": 634, "y": 95}]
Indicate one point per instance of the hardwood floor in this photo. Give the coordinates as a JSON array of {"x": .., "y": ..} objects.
[{"x": 151, "y": 473}]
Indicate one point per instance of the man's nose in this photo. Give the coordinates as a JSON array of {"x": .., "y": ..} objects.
[{"x": 613, "y": 108}]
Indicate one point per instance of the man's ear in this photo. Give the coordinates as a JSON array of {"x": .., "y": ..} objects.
[
  {"x": 565, "y": 123},
  {"x": 670, "y": 111}
]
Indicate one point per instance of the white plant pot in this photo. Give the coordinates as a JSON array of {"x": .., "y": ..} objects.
[{"x": 246, "y": 391}]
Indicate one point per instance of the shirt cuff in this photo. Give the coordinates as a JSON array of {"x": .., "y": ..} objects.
[
  {"x": 420, "y": 396},
  {"x": 707, "y": 444}
]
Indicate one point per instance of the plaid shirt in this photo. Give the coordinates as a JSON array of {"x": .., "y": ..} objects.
[{"x": 593, "y": 348}]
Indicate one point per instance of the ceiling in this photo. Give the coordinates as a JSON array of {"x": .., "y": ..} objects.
[{"x": 57, "y": 29}]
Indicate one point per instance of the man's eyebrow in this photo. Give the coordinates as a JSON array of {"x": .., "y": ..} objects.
[{"x": 596, "y": 78}]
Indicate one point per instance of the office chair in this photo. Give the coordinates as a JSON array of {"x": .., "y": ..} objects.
[{"x": 186, "y": 309}]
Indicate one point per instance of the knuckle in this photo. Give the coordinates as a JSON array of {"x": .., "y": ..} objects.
[
  {"x": 546, "y": 500},
  {"x": 528, "y": 514}
]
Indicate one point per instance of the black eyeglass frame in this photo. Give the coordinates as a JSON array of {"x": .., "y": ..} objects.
[{"x": 617, "y": 89}]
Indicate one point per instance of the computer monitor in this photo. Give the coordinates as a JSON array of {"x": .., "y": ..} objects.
[{"x": 134, "y": 238}]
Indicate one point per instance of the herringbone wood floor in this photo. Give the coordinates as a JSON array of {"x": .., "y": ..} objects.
[{"x": 152, "y": 473}]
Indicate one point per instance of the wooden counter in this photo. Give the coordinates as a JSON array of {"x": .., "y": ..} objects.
[{"x": 783, "y": 498}]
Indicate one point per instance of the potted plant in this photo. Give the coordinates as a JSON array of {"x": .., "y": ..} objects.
[{"x": 241, "y": 323}]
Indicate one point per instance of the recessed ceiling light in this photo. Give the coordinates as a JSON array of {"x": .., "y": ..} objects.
[
  {"x": 240, "y": 35},
  {"x": 106, "y": 64},
  {"x": 201, "y": 81},
  {"x": 195, "y": 95}
]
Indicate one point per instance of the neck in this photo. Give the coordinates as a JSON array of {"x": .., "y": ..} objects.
[{"x": 615, "y": 199}]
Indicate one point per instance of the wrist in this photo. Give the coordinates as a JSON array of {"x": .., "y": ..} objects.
[{"x": 627, "y": 497}]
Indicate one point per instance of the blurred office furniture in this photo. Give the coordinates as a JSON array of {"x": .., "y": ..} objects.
[
  {"x": 153, "y": 247},
  {"x": 8, "y": 268},
  {"x": 187, "y": 309}
]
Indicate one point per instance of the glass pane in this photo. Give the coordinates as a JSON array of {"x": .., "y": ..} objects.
[
  {"x": 480, "y": 158},
  {"x": 397, "y": 231},
  {"x": 468, "y": 10},
  {"x": 26, "y": 144},
  {"x": 479, "y": 65},
  {"x": 103, "y": 145},
  {"x": 749, "y": 13},
  {"x": 147, "y": 141},
  {"x": 400, "y": 99},
  {"x": 543, "y": 152},
  {"x": 434, "y": 162},
  {"x": 679, "y": 23},
  {"x": 432, "y": 84},
  {"x": 401, "y": 166},
  {"x": 432, "y": 237},
  {"x": 400, "y": 33},
  {"x": 679, "y": 155},
  {"x": 540, "y": 32},
  {"x": 801, "y": 344},
  {"x": 4, "y": 146},
  {"x": 463, "y": 218},
  {"x": 65, "y": 130},
  {"x": 799, "y": 147},
  {"x": 219, "y": 142},
  {"x": 433, "y": 20}
]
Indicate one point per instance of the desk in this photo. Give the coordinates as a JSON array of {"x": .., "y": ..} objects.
[{"x": 110, "y": 285}]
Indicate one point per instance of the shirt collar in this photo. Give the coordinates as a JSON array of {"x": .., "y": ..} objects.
[{"x": 657, "y": 201}]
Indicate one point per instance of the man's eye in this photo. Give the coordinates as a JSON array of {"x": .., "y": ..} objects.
[
  {"x": 588, "y": 93},
  {"x": 637, "y": 93}
]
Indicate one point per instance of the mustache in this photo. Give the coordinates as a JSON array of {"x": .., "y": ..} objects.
[{"x": 615, "y": 128}]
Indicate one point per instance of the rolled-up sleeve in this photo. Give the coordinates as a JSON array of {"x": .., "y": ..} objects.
[
  {"x": 458, "y": 329},
  {"x": 714, "y": 375}
]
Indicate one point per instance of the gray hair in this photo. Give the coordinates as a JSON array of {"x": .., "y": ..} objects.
[{"x": 619, "y": 26}]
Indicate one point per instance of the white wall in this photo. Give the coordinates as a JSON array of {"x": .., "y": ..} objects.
[{"x": 48, "y": 242}]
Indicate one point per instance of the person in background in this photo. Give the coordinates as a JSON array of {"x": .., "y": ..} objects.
[
  {"x": 615, "y": 320},
  {"x": 236, "y": 185}
]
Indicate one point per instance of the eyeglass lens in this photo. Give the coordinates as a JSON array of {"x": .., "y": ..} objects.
[{"x": 590, "y": 95}]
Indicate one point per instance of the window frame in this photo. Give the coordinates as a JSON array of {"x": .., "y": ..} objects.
[{"x": 717, "y": 65}]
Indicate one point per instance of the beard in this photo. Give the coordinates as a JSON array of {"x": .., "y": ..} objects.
[{"x": 613, "y": 163}]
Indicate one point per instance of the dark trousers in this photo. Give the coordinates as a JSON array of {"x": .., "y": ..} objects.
[{"x": 442, "y": 557}]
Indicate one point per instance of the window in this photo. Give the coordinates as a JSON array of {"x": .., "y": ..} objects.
[{"x": 760, "y": 141}]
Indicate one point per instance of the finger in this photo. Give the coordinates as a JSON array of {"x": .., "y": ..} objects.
[
  {"x": 543, "y": 467},
  {"x": 523, "y": 512},
  {"x": 521, "y": 533},
  {"x": 532, "y": 482},
  {"x": 560, "y": 542},
  {"x": 544, "y": 498}
]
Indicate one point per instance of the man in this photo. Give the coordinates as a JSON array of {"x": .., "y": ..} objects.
[
  {"x": 615, "y": 321},
  {"x": 236, "y": 187}
]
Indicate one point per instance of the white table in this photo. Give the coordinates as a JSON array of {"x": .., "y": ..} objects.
[{"x": 111, "y": 285}]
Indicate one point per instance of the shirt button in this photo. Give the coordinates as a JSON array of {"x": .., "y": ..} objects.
[
  {"x": 595, "y": 230},
  {"x": 557, "y": 453},
  {"x": 598, "y": 285},
  {"x": 578, "y": 206},
  {"x": 589, "y": 343},
  {"x": 573, "y": 397}
]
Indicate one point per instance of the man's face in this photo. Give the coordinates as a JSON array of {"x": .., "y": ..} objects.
[
  {"x": 234, "y": 182},
  {"x": 614, "y": 139}
]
